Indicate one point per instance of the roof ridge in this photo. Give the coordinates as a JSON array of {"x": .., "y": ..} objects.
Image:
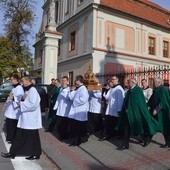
[
  {"x": 153, "y": 6},
  {"x": 143, "y": 9}
]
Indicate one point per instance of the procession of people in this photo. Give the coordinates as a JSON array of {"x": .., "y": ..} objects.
[{"x": 77, "y": 113}]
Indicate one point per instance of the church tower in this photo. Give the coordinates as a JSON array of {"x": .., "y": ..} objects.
[{"x": 46, "y": 45}]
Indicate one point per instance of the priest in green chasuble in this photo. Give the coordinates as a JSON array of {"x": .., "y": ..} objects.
[
  {"x": 135, "y": 118},
  {"x": 159, "y": 105}
]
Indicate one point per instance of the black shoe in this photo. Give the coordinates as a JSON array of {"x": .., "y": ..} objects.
[
  {"x": 32, "y": 157},
  {"x": 123, "y": 147},
  {"x": 9, "y": 142},
  {"x": 72, "y": 144},
  {"x": 8, "y": 155},
  {"x": 147, "y": 142},
  {"x": 116, "y": 137},
  {"x": 48, "y": 130},
  {"x": 75, "y": 144},
  {"x": 165, "y": 146},
  {"x": 104, "y": 138}
]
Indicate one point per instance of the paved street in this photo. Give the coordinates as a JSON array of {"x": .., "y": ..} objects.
[
  {"x": 20, "y": 163},
  {"x": 104, "y": 155},
  {"x": 96, "y": 155}
]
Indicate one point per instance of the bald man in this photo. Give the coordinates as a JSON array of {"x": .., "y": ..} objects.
[{"x": 135, "y": 118}]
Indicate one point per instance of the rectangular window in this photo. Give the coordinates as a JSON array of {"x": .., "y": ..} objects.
[
  {"x": 59, "y": 47},
  {"x": 79, "y": 2},
  {"x": 67, "y": 6},
  {"x": 151, "y": 45},
  {"x": 56, "y": 11},
  {"x": 48, "y": 17},
  {"x": 72, "y": 41},
  {"x": 165, "y": 49},
  {"x": 70, "y": 75},
  {"x": 40, "y": 58}
]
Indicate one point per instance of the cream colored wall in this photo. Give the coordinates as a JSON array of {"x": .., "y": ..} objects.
[
  {"x": 80, "y": 59},
  {"x": 78, "y": 66},
  {"x": 102, "y": 58},
  {"x": 135, "y": 51},
  {"x": 83, "y": 36},
  {"x": 74, "y": 9},
  {"x": 136, "y": 35},
  {"x": 92, "y": 26}
]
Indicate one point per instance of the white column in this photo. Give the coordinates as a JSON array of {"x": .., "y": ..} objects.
[{"x": 50, "y": 57}]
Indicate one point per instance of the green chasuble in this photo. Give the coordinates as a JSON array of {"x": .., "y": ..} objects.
[
  {"x": 160, "y": 100},
  {"x": 55, "y": 94},
  {"x": 136, "y": 110}
]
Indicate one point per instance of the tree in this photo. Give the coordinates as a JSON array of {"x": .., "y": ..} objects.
[
  {"x": 19, "y": 16},
  {"x": 19, "y": 19},
  {"x": 9, "y": 61}
]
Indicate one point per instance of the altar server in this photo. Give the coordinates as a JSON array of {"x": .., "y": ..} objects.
[
  {"x": 62, "y": 107},
  {"x": 12, "y": 112},
  {"x": 95, "y": 109},
  {"x": 115, "y": 98},
  {"x": 27, "y": 141},
  {"x": 78, "y": 113},
  {"x": 147, "y": 91}
]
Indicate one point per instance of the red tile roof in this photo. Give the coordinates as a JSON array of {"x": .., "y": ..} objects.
[{"x": 143, "y": 9}]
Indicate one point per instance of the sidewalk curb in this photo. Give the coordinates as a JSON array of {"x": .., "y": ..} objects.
[{"x": 60, "y": 154}]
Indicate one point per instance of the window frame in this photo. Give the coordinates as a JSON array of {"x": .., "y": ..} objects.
[
  {"x": 66, "y": 10},
  {"x": 59, "y": 47},
  {"x": 79, "y": 2},
  {"x": 56, "y": 11},
  {"x": 151, "y": 45},
  {"x": 71, "y": 46},
  {"x": 165, "y": 51}
]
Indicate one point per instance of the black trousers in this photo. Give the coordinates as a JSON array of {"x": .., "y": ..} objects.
[
  {"x": 95, "y": 122},
  {"x": 167, "y": 139},
  {"x": 77, "y": 132},
  {"x": 110, "y": 124},
  {"x": 52, "y": 124},
  {"x": 26, "y": 143},
  {"x": 126, "y": 133},
  {"x": 11, "y": 128},
  {"x": 62, "y": 127}
]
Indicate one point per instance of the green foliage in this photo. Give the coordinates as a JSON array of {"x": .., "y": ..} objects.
[
  {"x": 10, "y": 60},
  {"x": 14, "y": 51}
]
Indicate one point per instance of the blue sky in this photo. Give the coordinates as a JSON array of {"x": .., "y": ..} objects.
[{"x": 163, "y": 3}]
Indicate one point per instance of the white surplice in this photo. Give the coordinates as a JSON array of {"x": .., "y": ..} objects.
[
  {"x": 115, "y": 98},
  {"x": 12, "y": 111},
  {"x": 63, "y": 103},
  {"x": 95, "y": 99},
  {"x": 80, "y": 105},
  {"x": 30, "y": 117}
]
